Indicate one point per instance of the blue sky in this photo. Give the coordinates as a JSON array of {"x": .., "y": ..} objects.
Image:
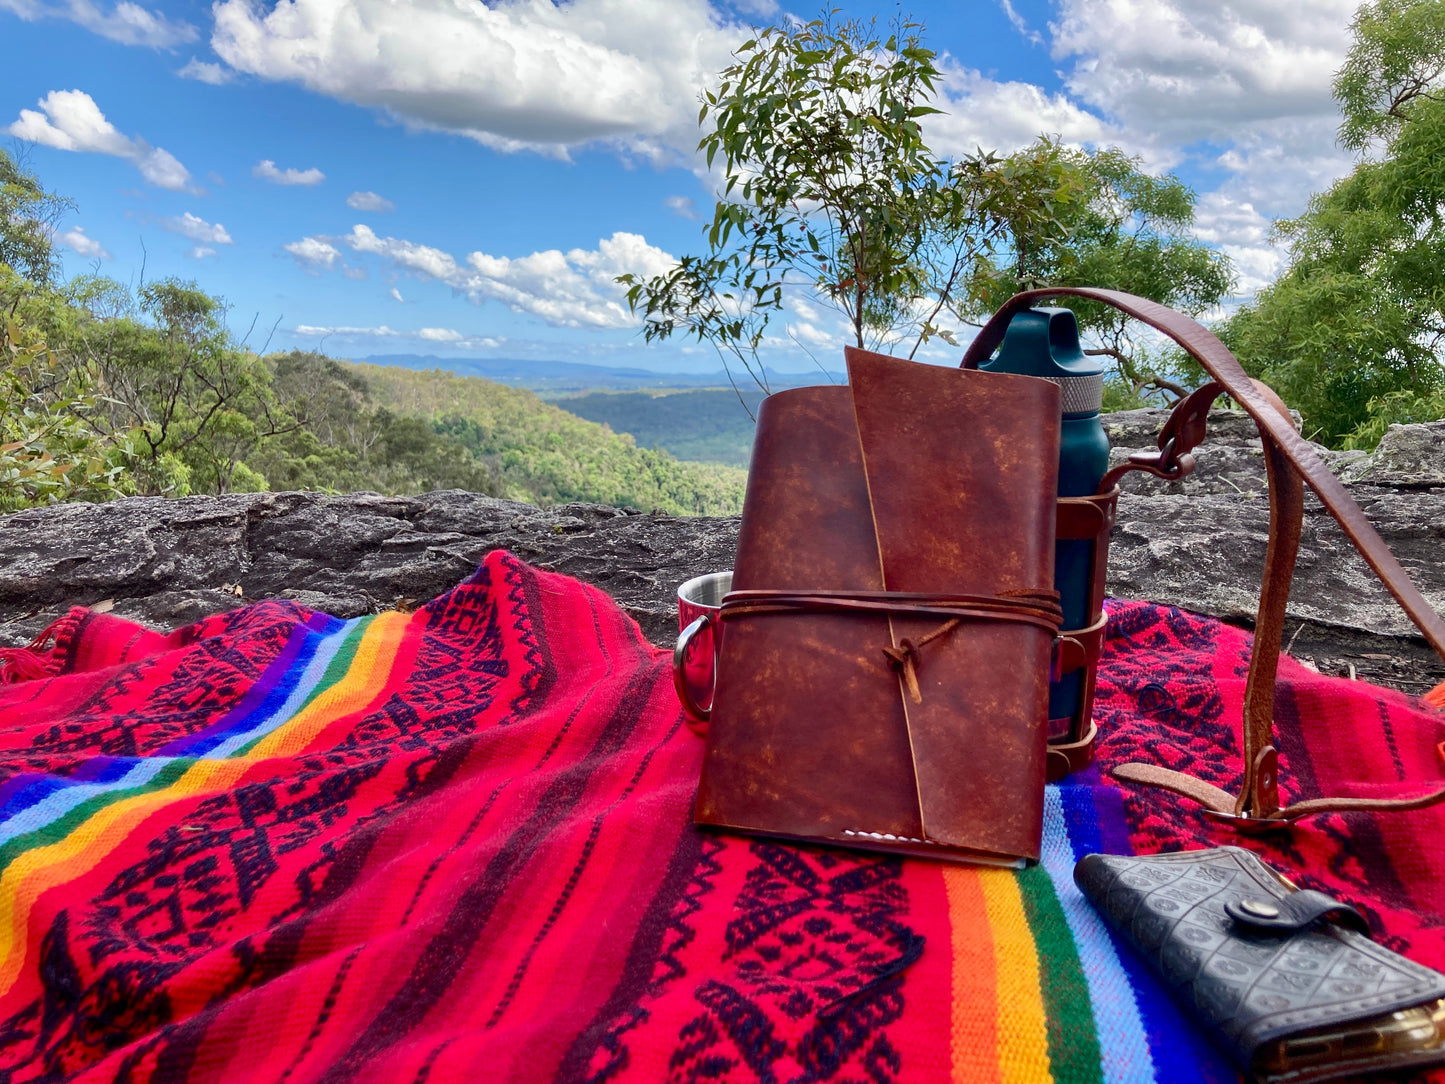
[{"x": 447, "y": 177}]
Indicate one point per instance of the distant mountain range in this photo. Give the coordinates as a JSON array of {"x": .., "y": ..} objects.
[{"x": 553, "y": 378}]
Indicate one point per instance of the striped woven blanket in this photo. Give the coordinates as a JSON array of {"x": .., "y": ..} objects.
[{"x": 455, "y": 845}]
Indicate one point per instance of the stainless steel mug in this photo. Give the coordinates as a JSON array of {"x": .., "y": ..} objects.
[{"x": 694, "y": 660}]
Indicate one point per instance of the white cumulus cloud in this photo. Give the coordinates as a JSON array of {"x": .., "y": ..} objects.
[
  {"x": 1220, "y": 220},
  {"x": 369, "y": 201},
  {"x": 512, "y": 74},
  {"x": 161, "y": 168},
  {"x": 205, "y": 71},
  {"x": 1243, "y": 234},
  {"x": 267, "y": 171},
  {"x": 131, "y": 24},
  {"x": 815, "y": 328},
  {"x": 395, "y": 295},
  {"x": 126, "y": 22},
  {"x": 979, "y": 112},
  {"x": 1019, "y": 23},
  {"x": 77, "y": 241},
  {"x": 69, "y": 120},
  {"x": 407, "y": 255},
  {"x": 576, "y": 288},
  {"x": 1237, "y": 87},
  {"x": 1251, "y": 77},
  {"x": 682, "y": 206},
  {"x": 314, "y": 253},
  {"x": 197, "y": 229},
  {"x": 572, "y": 289},
  {"x": 1198, "y": 68}
]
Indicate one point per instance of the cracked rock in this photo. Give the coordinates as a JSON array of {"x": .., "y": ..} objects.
[{"x": 1198, "y": 544}]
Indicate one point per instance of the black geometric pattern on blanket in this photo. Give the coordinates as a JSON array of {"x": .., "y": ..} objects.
[{"x": 817, "y": 934}]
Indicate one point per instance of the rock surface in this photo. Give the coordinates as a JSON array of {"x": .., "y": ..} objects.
[{"x": 1197, "y": 544}]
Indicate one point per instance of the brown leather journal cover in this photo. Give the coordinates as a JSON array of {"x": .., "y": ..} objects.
[{"x": 913, "y": 479}]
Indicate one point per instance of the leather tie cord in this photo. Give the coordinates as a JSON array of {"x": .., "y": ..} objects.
[{"x": 1034, "y": 607}]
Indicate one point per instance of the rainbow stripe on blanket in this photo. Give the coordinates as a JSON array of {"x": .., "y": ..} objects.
[
  {"x": 49, "y": 825},
  {"x": 1066, "y": 1002},
  {"x": 456, "y": 845},
  {"x": 1018, "y": 980}
]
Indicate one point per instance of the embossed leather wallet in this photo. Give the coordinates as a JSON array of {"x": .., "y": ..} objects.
[
  {"x": 883, "y": 671},
  {"x": 1287, "y": 980}
]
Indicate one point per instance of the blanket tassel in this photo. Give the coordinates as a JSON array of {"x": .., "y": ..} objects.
[{"x": 35, "y": 660}]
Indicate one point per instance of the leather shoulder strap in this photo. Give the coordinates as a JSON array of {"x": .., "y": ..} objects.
[
  {"x": 1288, "y": 460},
  {"x": 1205, "y": 348}
]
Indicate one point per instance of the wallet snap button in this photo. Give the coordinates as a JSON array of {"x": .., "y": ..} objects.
[{"x": 1259, "y": 909}]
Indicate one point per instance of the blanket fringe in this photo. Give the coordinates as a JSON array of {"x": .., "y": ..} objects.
[
  {"x": 1436, "y": 696},
  {"x": 37, "y": 659}
]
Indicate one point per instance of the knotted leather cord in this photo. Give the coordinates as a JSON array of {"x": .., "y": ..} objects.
[
  {"x": 907, "y": 657},
  {"x": 1289, "y": 459},
  {"x": 1033, "y": 607}
]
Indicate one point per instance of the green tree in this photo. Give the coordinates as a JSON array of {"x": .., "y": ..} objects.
[
  {"x": 28, "y": 217},
  {"x": 1121, "y": 228},
  {"x": 829, "y": 189},
  {"x": 167, "y": 366},
  {"x": 48, "y": 450},
  {"x": 50, "y": 446},
  {"x": 329, "y": 397},
  {"x": 413, "y": 455},
  {"x": 336, "y": 426},
  {"x": 1351, "y": 333},
  {"x": 830, "y": 192}
]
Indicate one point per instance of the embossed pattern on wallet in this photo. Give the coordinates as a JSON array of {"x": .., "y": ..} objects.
[
  {"x": 1255, "y": 988},
  {"x": 915, "y": 478}
]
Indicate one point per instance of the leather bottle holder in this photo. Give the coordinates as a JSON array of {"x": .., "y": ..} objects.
[
  {"x": 1291, "y": 462},
  {"x": 885, "y": 650},
  {"x": 1082, "y": 519}
]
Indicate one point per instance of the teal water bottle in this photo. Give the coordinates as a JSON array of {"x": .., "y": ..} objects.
[{"x": 1045, "y": 342}]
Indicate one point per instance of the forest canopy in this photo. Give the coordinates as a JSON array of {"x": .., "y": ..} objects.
[{"x": 1351, "y": 334}]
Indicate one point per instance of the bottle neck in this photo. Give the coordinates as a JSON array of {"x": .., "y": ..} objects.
[{"x": 1081, "y": 395}]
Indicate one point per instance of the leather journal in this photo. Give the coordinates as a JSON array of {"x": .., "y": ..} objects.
[
  {"x": 1288, "y": 981},
  {"x": 884, "y": 659}
]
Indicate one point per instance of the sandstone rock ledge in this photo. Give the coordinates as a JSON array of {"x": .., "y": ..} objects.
[{"x": 1197, "y": 544}]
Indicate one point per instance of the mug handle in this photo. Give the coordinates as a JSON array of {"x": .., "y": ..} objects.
[{"x": 679, "y": 678}]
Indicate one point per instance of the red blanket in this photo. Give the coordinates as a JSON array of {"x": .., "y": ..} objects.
[{"x": 455, "y": 845}]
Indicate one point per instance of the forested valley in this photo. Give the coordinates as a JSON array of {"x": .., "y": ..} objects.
[{"x": 108, "y": 391}]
